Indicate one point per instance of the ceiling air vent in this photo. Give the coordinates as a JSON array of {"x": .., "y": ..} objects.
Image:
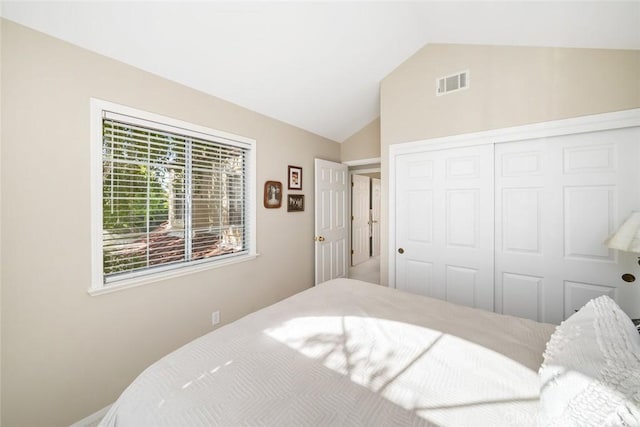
[{"x": 452, "y": 83}]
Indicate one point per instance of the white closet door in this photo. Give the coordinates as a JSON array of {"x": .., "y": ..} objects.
[
  {"x": 557, "y": 200},
  {"x": 444, "y": 225}
]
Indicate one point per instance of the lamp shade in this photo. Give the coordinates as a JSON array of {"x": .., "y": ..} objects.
[{"x": 627, "y": 237}]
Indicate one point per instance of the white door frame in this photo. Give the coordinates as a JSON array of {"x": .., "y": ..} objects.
[
  {"x": 591, "y": 123},
  {"x": 365, "y": 162}
]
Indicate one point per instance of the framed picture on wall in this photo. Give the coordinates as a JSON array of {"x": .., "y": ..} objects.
[
  {"x": 295, "y": 203},
  {"x": 295, "y": 178},
  {"x": 272, "y": 194}
]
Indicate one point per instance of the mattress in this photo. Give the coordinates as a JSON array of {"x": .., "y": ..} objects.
[{"x": 347, "y": 353}]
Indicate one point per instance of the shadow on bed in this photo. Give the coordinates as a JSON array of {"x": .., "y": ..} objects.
[{"x": 343, "y": 354}]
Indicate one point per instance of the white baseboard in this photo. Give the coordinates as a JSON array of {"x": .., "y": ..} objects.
[{"x": 93, "y": 419}]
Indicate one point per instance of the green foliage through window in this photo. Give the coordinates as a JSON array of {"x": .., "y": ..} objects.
[{"x": 168, "y": 198}]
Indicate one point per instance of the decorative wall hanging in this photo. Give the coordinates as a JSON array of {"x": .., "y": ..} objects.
[
  {"x": 295, "y": 203},
  {"x": 272, "y": 194},
  {"x": 295, "y": 178}
]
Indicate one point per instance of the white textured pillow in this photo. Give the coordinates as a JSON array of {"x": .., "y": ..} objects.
[{"x": 591, "y": 370}]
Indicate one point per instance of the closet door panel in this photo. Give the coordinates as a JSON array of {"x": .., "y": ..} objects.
[
  {"x": 557, "y": 201},
  {"x": 522, "y": 295},
  {"x": 520, "y": 224},
  {"x": 588, "y": 215},
  {"x": 577, "y": 294},
  {"x": 419, "y": 277},
  {"x": 462, "y": 285},
  {"x": 462, "y": 215},
  {"x": 444, "y": 218},
  {"x": 415, "y": 270}
]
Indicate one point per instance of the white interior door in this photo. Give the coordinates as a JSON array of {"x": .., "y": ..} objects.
[
  {"x": 557, "y": 200},
  {"x": 331, "y": 231},
  {"x": 359, "y": 219},
  {"x": 444, "y": 225},
  {"x": 376, "y": 197}
]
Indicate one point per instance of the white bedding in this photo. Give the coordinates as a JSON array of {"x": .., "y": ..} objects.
[{"x": 347, "y": 353}]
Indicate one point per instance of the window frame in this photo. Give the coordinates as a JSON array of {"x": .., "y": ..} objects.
[{"x": 98, "y": 284}]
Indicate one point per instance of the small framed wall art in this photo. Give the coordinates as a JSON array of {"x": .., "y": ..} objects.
[
  {"x": 272, "y": 194},
  {"x": 295, "y": 178},
  {"x": 295, "y": 202}
]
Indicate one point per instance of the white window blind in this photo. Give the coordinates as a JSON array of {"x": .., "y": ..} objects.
[{"x": 170, "y": 197}]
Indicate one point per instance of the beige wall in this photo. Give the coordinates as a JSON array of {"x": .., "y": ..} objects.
[
  {"x": 66, "y": 354},
  {"x": 509, "y": 86},
  {"x": 364, "y": 144}
]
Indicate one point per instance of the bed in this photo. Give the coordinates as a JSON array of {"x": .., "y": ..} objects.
[{"x": 352, "y": 353}]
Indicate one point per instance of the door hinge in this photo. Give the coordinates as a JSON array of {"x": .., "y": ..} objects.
[
  {"x": 351, "y": 251},
  {"x": 352, "y": 217}
]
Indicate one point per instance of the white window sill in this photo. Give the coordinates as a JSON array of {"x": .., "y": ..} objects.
[{"x": 157, "y": 277}]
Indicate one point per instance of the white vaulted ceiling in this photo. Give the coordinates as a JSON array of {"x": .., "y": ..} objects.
[{"x": 315, "y": 65}]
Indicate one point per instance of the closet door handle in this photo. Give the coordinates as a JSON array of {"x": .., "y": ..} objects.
[{"x": 400, "y": 251}]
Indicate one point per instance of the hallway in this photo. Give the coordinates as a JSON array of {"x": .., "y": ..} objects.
[{"x": 368, "y": 271}]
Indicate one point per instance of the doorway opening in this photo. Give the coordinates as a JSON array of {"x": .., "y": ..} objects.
[{"x": 365, "y": 222}]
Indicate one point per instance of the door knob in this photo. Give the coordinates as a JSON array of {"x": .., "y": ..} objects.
[
  {"x": 319, "y": 239},
  {"x": 628, "y": 277},
  {"x": 400, "y": 251}
]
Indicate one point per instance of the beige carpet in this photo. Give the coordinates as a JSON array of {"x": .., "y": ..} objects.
[{"x": 368, "y": 271}]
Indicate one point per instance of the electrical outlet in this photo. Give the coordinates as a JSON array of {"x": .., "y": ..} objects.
[{"x": 215, "y": 317}]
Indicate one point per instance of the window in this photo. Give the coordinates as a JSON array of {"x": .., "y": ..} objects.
[{"x": 169, "y": 196}]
